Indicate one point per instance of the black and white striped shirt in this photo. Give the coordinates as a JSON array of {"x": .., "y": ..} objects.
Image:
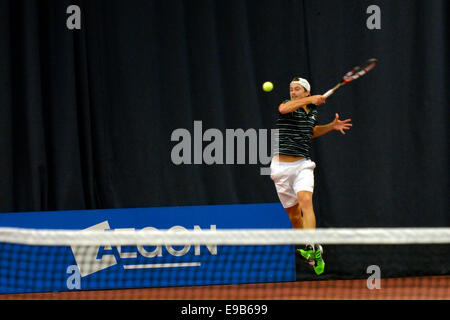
[{"x": 295, "y": 131}]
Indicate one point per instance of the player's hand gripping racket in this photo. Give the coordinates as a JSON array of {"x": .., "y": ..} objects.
[{"x": 353, "y": 74}]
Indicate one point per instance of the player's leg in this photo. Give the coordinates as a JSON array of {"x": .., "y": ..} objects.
[
  {"x": 284, "y": 177},
  {"x": 306, "y": 209},
  {"x": 304, "y": 187},
  {"x": 311, "y": 251},
  {"x": 295, "y": 216},
  {"x": 309, "y": 222},
  {"x": 306, "y": 206}
]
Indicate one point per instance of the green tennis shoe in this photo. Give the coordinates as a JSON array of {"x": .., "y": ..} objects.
[
  {"x": 308, "y": 255},
  {"x": 313, "y": 258},
  {"x": 319, "y": 266}
]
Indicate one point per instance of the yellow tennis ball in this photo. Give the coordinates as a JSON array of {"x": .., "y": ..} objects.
[{"x": 267, "y": 86}]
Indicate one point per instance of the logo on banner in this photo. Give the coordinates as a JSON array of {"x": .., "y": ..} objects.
[{"x": 91, "y": 259}]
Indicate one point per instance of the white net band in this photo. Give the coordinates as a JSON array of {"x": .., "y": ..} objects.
[{"x": 225, "y": 236}]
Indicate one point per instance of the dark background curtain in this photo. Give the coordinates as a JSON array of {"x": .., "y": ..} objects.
[{"x": 87, "y": 115}]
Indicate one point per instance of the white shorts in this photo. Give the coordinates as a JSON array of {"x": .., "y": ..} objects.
[{"x": 292, "y": 177}]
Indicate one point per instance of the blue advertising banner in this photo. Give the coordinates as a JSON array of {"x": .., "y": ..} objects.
[{"x": 60, "y": 268}]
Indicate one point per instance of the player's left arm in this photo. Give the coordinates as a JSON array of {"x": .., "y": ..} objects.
[{"x": 336, "y": 124}]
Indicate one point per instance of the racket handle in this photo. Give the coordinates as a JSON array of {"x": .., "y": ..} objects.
[{"x": 328, "y": 93}]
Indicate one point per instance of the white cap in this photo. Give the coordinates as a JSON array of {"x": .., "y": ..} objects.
[{"x": 304, "y": 83}]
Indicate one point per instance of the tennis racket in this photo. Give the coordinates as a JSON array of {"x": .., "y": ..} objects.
[{"x": 353, "y": 74}]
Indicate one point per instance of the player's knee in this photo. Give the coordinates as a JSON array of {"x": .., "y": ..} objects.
[{"x": 305, "y": 200}]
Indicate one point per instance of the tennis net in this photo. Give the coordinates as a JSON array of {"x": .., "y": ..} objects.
[{"x": 366, "y": 263}]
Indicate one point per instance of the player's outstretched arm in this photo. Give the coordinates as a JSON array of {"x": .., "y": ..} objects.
[{"x": 336, "y": 124}]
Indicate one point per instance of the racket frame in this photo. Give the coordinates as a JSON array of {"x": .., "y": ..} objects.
[{"x": 353, "y": 74}]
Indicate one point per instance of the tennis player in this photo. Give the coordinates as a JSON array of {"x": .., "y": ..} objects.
[{"x": 292, "y": 169}]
